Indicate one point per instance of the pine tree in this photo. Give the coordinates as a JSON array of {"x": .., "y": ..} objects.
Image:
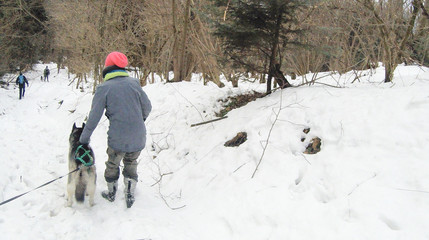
[
  {"x": 254, "y": 30},
  {"x": 23, "y": 33}
]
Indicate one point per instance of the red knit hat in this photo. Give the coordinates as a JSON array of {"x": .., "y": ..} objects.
[{"x": 116, "y": 58}]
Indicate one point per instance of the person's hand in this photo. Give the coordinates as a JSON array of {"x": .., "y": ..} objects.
[{"x": 85, "y": 146}]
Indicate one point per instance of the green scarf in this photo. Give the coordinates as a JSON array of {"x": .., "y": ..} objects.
[{"x": 115, "y": 73}]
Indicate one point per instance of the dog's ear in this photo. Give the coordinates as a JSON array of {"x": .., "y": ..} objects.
[
  {"x": 83, "y": 125},
  {"x": 74, "y": 126}
]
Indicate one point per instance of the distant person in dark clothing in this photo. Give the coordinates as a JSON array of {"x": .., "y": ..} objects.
[
  {"x": 21, "y": 80},
  {"x": 46, "y": 74}
]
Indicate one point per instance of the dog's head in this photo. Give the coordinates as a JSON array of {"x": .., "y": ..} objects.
[
  {"x": 75, "y": 133},
  {"x": 77, "y": 151}
]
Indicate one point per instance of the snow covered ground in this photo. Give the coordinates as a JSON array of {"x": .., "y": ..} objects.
[{"x": 370, "y": 180}]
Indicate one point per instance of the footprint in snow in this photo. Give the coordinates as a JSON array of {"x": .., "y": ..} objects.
[
  {"x": 323, "y": 192},
  {"x": 300, "y": 176},
  {"x": 390, "y": 223}
]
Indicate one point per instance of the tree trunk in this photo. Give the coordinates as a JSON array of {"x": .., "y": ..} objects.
[
  {"x": 280, "y": 78},
  {"x": 181, "y": 66},
  {"x": 392, "y": 47},
  {"x": 184, "y": 70},
  {"x": 98, "y": 76},
  {"x": 388, "y": 73},
  {"x": 274, "y": 47},
  {"x": 176, "y": 62}
]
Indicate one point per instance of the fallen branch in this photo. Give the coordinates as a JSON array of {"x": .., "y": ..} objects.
[{"x": 213, "y": 120}]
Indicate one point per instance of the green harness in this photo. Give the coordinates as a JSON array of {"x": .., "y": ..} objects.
[{"x": 81, "y": 154}]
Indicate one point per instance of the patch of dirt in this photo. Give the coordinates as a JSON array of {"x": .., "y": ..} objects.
[
  {"x": 306, "y": 130},
  {"x": 234, "y": 102},
  {"x": 240, "y": 138},
  {"x": 314, "y": 146}
]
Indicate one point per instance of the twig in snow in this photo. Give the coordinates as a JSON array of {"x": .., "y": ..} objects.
[
  {"x": 209, "y": 121},
  {"x": 159, "y": 180},
  {"x": 60, "y": 103},
  {"x": 314, "y": 81},
  {"x": 211, "y": 180},
  {"x": 269, "y": 135},
  {"x": 189, "y": 102},
  {"x": 165, "y": 201},
  {"x": 205, "y": 155},
  {"x": 239, "y": 167},
  {"x": 329, "y": 85},
  {"x": 412, "y": 190},
  {"x": 305, "y": 159},
  {"x": 159, "y": 188},
  {"x": 359, "y": 184}
]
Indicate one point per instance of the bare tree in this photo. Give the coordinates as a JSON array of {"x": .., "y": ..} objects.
[
  {"x": 160, "y": 36},
  {"x": 391, "y": 26},
  {"x": 87, "y": 30}
]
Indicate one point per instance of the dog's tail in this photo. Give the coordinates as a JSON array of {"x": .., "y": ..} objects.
[{"x": 81, "y": 186}]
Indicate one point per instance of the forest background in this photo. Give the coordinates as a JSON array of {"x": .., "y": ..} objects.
[{"x": 262, "y": 39}]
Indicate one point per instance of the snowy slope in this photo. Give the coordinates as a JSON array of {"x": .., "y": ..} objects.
[{"x": 370, "y": 181}]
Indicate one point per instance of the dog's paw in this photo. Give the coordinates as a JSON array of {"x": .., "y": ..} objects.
[{"x": 69, "y": 203}]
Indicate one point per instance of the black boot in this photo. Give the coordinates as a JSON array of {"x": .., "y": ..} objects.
[{"x": 130, "y": 187}]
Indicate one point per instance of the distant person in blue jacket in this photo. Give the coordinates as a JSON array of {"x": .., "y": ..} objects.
[
  {"x": 46, "y": 74},
  {"x": 21, "y": 80},
  {"x": 126, "y": 106}
]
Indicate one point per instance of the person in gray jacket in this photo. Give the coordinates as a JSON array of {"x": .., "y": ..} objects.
[{"x": 126, "y": 106}]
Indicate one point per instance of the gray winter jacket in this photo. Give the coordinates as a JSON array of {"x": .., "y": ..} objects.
[{"x": 127, "y": 106}]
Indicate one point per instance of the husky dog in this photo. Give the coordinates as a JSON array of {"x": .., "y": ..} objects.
[{"x": 81, "y": 182}]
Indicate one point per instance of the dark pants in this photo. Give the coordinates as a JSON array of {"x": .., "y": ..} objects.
[
  {"x": 21, "y": 91},
  {"x": 46, "y": 78},
  {"x": 112, "y": 165}
]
